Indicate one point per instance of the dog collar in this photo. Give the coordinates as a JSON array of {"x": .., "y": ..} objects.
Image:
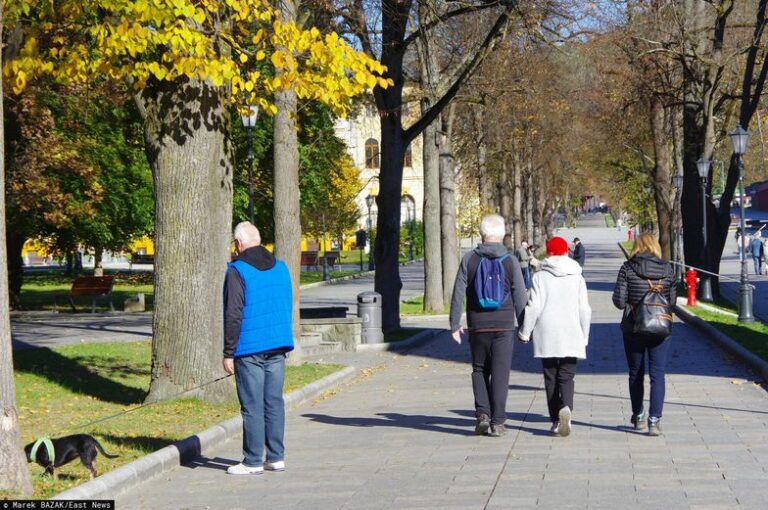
[{"x": 48, "y": 445}]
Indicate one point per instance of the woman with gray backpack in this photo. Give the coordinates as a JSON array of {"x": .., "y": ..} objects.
[{"x": 645, "y": 290}]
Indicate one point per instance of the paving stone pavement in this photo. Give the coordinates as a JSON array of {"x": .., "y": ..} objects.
[{"x": 401, "y": 436}]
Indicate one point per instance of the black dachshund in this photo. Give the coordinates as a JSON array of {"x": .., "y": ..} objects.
[{"x": 66, "y": 449}]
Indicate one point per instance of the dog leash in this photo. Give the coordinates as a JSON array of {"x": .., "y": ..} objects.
[
  {"x": 144, "y": 405},
  {"x": 46, "y": 441}
]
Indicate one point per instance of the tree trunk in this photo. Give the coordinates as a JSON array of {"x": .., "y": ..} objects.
[
  {"x": 286, "y": 174},
  {"x": 662, "y": 175},
  {"x": 484, "y": 183},
  {"x": 186, "y": 132},
  {"x": 529, "y": 191},
  {"x": 517, "y": 200},
  {"x": 14, "y": 243},
  {"x": 98, "y": 255},
  {"x": 449, "y": 239},
  {"x": 14, "y": 474},
  {"x": 433, "y": 274}
]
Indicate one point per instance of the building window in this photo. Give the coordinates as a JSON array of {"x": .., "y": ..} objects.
[
  {"x": 408, "y": 158},
  {"x": 371, "y": 153}
]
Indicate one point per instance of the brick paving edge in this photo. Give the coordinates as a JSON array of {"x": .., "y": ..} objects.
[
  {"x": 756, "y": 363},
  {"x": 128, "y": 476}
]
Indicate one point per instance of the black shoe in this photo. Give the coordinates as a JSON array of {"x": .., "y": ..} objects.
[
  {"x": 497, "y": 431},
  {"x": 654, "y": 427},
  {"x": 638, "y": 421},
  {"x": 483, "y": 424}
]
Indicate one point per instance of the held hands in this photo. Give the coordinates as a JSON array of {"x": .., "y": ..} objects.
[
  {"x": 523, "y": 340},
  {"x": 458, "y": 334},
  {"x": 229, "y": 365}
]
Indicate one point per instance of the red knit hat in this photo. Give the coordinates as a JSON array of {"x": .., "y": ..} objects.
[{"x": 557, "y": 246}]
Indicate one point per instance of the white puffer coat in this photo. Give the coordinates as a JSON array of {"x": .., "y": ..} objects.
[{"x": 557, "y": 314}]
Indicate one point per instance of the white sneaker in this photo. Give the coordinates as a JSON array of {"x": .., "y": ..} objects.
[
  {"x": 242, "y": 469},
  {"x": 275, "y": 466},
  {"x": 555, "y": 430},
  {"x": 565, "y": 421}
]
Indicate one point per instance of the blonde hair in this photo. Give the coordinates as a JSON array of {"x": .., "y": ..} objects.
[{"x": 646, "y": 243}]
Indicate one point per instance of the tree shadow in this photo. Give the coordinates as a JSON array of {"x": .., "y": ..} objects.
[
  {"x": 73, "y": 375},
  {"x": 144, "y": 443},
  {"x": 442, "y": 424}
]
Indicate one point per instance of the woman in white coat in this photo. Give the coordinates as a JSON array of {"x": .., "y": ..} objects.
[{"x": 557, "y": 318}]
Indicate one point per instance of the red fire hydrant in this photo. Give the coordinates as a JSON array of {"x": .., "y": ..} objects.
[
  {"x": 629, "y": 234},
  {"x": 691, "y": 281}
]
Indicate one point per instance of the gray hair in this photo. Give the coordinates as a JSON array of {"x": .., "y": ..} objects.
[
  {"x": 492, "y": 225},
  {"x": 247, "y": 233}
]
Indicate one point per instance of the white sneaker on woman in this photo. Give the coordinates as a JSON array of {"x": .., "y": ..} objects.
[{"x": 565, "y": 420}]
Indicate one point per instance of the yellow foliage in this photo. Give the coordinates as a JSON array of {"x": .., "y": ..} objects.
[{"x": 165, "y": 40}]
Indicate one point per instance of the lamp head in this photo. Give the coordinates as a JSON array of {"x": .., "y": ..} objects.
[
  {"x": 369, "y": 201},
  {"x": 739, "y": 139},
  {"x": 703, "y": 167},
  {"x": 250, "y": 116}
]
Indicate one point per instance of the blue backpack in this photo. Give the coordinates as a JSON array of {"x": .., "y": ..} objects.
[{"x": 490, "y": 279}]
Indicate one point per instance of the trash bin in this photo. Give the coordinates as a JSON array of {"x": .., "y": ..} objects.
[{"x": 369, "y": 309}]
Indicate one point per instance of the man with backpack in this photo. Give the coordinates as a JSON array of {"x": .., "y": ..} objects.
[{"x": 490, "y": 279}]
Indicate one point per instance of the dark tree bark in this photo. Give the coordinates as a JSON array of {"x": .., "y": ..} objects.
[
  {"x": 186, "y": 133},
  {"x": 14, "y": 243},
  {"x": 662, "y": 175},
  {"x": 14, "y": 474}
]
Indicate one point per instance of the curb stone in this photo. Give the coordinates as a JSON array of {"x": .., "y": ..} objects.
[
  {"x": 110, "y": 484},
  {"x": 756, "y": 363},
  {"x": 409, "y": 343}
]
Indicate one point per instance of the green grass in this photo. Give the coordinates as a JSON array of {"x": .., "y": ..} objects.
[
  {"x": 609, "y": 222},
  {"x": 400, "y": 334},
  {"x": 750, "y": 335},
  {"x": 60, "y": 390},
  {"x": 415, "y": 306},
  {"x": 317, "y": 276}
]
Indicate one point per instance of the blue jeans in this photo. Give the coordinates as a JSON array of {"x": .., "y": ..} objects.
[
  {"x": 756, "y": 260},
  {"x": 636, "y": 349},
  {"x": 260, "y": 380}
]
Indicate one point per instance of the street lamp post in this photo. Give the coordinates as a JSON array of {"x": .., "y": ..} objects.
[
  {"x": 739, "y": 140},
  {"x": 249, "y": 122},
  {"x": 705, "y": 291},
  {"x": 369, "y": 202}
]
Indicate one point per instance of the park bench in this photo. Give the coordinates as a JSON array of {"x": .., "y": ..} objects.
[
  {"x": 309, "y": 259},
  {"x": 332, "y": 257},
  {"x": 90, "y": 286},
  {"x": 142, "y": 258}
]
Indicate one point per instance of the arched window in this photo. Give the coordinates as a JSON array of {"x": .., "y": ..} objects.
[
  {"x": 408, "y": 158},
  {"x": 371, "y": 153}
]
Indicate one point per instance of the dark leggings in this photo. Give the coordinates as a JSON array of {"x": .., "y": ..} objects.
[{"x": 558, "y": 384}]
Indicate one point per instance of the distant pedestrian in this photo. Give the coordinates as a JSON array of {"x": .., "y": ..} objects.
[
  {"x": 533, "y": 263},
  {"x": 493, "y": 306},
  {"x": 579, "y": 254},
  {"x": 765, "y": 256},
  {"x": 643, "y": 272},
  {"x": 257, "y": 335},
  {"x": 557, "y": 317},
  {"x": 629, "y": 234},
  {"x": 738, "y": 240},
  {"x": 756, "y": 250},
  {"x": 523, "y": 257}
]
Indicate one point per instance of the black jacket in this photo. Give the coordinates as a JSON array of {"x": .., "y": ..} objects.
[
  {"x": 579, "y": 255},
  {"x": 505, "y": 318},
  {"x": 632, "y": 282},
  {"x": 234, "y": 294}
]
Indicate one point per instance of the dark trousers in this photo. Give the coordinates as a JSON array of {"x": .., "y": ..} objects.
[
  {"x": 558, "y": 384},
  {"x": 637, "y": 350},
  {"x": 491, "y": 362}
]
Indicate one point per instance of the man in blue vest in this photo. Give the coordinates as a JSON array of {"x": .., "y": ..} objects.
[{"x": 257, "y": 335}]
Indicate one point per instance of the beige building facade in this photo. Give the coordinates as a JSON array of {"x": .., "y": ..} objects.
[{"x": 361, "y": 132}]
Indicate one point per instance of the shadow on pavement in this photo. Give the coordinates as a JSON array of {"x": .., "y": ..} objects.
[
  {"x": 216, "y": 463},
  {"x": 440, "y": 424},
  {"x": 146, "y": 443}
]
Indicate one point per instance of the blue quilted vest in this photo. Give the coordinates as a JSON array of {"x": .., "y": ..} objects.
[{"x": 267, "y": 314}]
